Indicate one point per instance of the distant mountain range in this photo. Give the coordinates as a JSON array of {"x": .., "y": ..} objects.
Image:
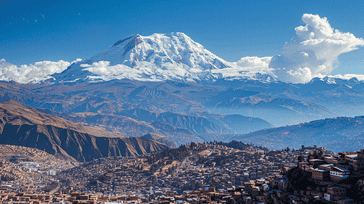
[
  {"x": 336, "y": 134},
  {"x": 130, "y": 108},
  {"x": 190, "y": 111}
]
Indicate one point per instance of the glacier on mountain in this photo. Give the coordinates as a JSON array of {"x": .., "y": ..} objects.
[{"x": 160, "y": 57}]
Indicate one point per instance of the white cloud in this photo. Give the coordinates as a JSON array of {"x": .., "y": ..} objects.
[
  {"x": 33, "y": 72},
  {"x": 247, "y": 67},
  {"x": 254, "y": 62},
  {"x": 313, "y": 52}
]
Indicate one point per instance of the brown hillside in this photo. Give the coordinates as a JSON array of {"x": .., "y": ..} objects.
[
  {"x": 17, "y": 113},
  {"x": 25, "y": 126}
]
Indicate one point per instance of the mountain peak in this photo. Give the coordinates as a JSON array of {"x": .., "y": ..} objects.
[{"x": 160, "y": 50}]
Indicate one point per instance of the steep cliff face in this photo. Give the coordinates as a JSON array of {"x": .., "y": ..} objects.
[{"x": 24, "y": 126}]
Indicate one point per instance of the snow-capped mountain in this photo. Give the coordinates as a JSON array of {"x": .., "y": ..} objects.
[
  {"x": 158, "y": 57},
  {"x": 339, "y": 81}
]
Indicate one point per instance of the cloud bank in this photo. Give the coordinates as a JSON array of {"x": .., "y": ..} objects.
[
  {"x": 313, "y": 52},
  {"x": 34, "y": 73}
]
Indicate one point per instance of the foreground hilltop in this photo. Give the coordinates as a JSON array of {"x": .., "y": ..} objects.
[
  {"x": 179, "y": 168},
  {"x": 26, "y": 126}
]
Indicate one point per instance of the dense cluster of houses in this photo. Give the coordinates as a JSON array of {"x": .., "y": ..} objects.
[{"x": 210, "y": 173}]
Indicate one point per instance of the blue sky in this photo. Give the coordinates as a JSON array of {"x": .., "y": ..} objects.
[{"x": 38, "y": 30}]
